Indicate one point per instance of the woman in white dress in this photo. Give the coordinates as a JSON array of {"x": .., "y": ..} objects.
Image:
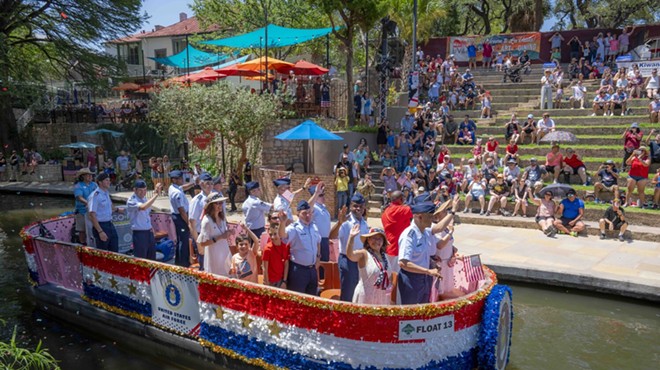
[
  {"x": 375, "y": 284},
  {"x": 212, "y": 240},
  {"x": 445, "y": 256}
]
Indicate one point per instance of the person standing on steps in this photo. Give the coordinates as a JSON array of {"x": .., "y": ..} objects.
[
  {"x": 547, "y": 81},
  {"x": 179, "y": 207}
]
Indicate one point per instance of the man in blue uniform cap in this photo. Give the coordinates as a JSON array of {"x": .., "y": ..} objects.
[
  {"x": 304, "y": 240},
  {"x": 138, "y": 208},
  {"x": 195, "y": 213},
  {"x": 416, "y": 247},
  {"x": 100, "y": 209},
  {"x": 255, "y": 209},
  {"x": 281, "y": 203},
  {"x": 179, "y": 207},
  {"x": 348, "y": 270}
]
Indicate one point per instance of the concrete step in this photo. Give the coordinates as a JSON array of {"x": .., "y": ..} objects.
[
  {"x": 592, "y": 213},
  {"x": 498, "y": 133},
  {"x": 567, "y": 112},
  {"x": 542, "y": 150},
  {"x": 577, "y": 117}
]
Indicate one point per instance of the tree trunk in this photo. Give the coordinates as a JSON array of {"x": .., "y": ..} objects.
[
  {"x": 538, "y": 15},
  {"x": 242, "y": 160},
  {"x": 350, "y": 109},
  {"x": 8, "y": 128}
]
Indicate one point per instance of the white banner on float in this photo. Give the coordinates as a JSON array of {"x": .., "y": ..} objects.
[
  {"x": 644, "y": 67},
  {"x": 425, "y": 329},
  {"x": 175, "y": 302}
]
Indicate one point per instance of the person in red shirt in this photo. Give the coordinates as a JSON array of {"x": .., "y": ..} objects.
[
  {"x": 275, "y": 259},
  {"x": 638, "y": 176},
  {"x": 491, "y": 149},
  {"x": 574, "y": 165},
  {"x": 511, "y": 151},
  {"x": 396, "y": 218}
]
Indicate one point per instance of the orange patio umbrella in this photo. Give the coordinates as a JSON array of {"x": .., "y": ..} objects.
[
  {"x": 305, "y": 68},
  {"x": 260, "y": 65},
  {"x": 205, "y": 75},
  {"x": 234, "y": 70},
  {"x": 126, "y": 86}
]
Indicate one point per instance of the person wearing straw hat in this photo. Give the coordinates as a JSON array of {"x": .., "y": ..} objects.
[
  {"x": 212, "y": 241},
  {"x": 416, "y": 246},
  {"x": 138, "y": 208},
  {"x": 81, "y": 191},
  {"x": 100, "y": 210},
  {"x": 375, "y": 273}
]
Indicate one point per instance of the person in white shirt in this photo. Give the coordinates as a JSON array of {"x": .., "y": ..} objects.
[
  {"x": 546, "y": 89},
  {"x": 545, "y": 125},
  {"x": 601, "y": 101},
  {"x": 138, "y": 208},
  {"x": 579, "y": 93}
]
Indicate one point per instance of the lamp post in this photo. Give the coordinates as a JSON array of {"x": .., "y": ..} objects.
[{"x": 414, "y": 35}]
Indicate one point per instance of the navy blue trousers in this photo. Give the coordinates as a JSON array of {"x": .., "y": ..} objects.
[
  {"x": 414, "y": 288},
  {"x": 144, "y": 244},
  {"x": 112, "y": 244},
  {"x": 348, "y": 276},
  {"x": 302, "y": 279},
  {"x": 182, "y": 256}
]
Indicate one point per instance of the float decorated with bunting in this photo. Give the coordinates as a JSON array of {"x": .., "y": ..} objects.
[{"x": 232, "y": 322}]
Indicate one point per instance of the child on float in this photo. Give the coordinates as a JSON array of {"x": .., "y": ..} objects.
[
  {"x": 244, "y": 263},
  {"x": 445, "y": 255},
  {"x": 275, "y": 258},
  {"x": 375, "y": 282}
]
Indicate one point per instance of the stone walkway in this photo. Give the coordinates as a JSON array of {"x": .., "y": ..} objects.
[{"x": 631, "y": 268}]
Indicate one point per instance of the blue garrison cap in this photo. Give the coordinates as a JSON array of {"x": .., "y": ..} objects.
[
  {"x": 302, "y": 205},
  {"x": 421, "y": 198},
  {"x": 102, "y": 176},
  {"x": 205, "y": 177},
  {"x": 424, "y": 207},
  {"x": 358, "y": 199},
  {"x": 140, "y": 184},
  {"x": 176, "y": 173},
  {"x": 282, "y": 181},
  {"x": 252, "y": 185}
]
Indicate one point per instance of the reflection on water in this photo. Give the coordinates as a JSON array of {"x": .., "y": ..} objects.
[{"x": 553, "y": 329}]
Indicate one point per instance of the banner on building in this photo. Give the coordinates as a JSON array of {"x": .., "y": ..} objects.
[
  {"x": 511, "y": 43},
  {"x": 645, "y": 67}
]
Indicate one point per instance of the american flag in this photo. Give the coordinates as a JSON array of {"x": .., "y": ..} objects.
[{"x": 472, "y": 268}]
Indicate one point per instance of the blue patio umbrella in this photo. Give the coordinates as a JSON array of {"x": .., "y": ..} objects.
[
  {"x": 79, "y": 145},
  {"x": 308, "y": 130},
  {"x": 104, "y": 131}
]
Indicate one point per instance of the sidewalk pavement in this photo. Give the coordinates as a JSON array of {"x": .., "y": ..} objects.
[{"x": 630, "y": 268}]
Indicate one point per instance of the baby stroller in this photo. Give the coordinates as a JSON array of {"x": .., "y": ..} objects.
[
  {"x": 127, "y": 182},
  {"x": 513, "y": 73}
]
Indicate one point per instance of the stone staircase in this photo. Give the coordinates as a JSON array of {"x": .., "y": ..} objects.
[{"x": 599, "y": 139}]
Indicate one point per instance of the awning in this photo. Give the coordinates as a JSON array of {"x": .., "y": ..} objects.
[
  {"x": 197, "y": 57},
  {"x": 277, "y": 37}
]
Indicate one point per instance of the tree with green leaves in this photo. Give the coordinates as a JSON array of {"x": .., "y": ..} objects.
[
  {"x": 605, "y": 14},
  {"x": 347, "y": 17},
  {"x": 43, "y": 39},
  {"x": 236, "y": 113}
]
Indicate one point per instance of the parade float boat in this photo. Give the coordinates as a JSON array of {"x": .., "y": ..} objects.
[{"x": 233, "y": 323}]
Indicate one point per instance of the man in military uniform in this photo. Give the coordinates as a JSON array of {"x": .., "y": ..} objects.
[
  {"x": 195, "y": 212},
  {"x": 416, "y": 247},
  {"x": 348, "y": 270},
  {"x": 180, "y": 207},
  {"x": 304, "y": 240},
  {"x": 281, "y": 203},
  {"x": 255, "y": 209},
  {"x": 100, "y": 210},
  {"x": 138, "y": 208}
]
